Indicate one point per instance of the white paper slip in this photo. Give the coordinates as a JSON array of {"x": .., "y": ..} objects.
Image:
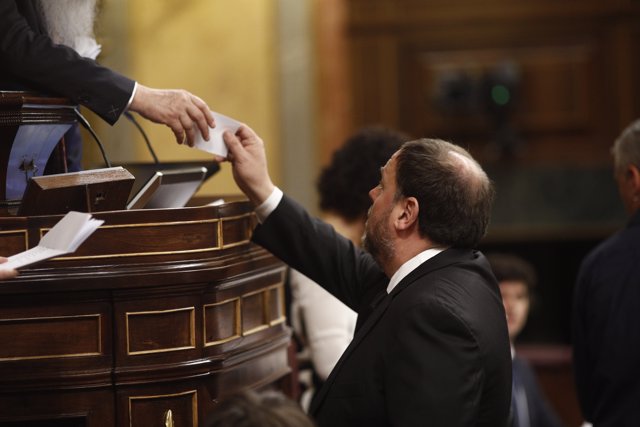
[
  {"x": 215, "y": 144},
  {"x": 65, "y": 237}
]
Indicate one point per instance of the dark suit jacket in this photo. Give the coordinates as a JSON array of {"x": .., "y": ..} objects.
[
  {"x": 433, "y": 352},
  {"x": 606, "y": 330},
  {"x": 30, "y": 60},
  {"x": 540, "y": 413}
]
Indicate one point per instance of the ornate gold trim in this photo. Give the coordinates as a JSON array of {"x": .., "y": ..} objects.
[
  {"x": 192, "y": 333},
  {"x": 254, "y": 330},
  {"x": 240, "y": 242},
  {"x": 23, "y": 231},
  {"x": 137, "y": 254},
  {"x": 266, "y": 313},
  {"x": 194, "y": 403},
  {"x": 265, "y": 308},
  {"x": 221, "y": 245},
  {"x": 279, "y": 287},
  {"x": 98, "y": 316},
  {"x": 236, "y": 326}
]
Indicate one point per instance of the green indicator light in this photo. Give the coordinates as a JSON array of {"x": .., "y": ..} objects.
[{"x": 500, "y": 94}]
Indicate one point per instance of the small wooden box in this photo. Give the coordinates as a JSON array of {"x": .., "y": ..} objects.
[{"x": 86, "y": 191}]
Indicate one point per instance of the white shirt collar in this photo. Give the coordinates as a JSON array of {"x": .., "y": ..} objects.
[{"x": 411, "y": 265}]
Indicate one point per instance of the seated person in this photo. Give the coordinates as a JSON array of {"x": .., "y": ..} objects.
[
  {"x": 253, "y": 409},
  {"x": 516, "y": 279}
]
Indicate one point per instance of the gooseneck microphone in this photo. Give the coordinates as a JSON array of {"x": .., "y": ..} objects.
[
  {"x": 133, "y": 120},
  {"x": 88, "y": 127}
]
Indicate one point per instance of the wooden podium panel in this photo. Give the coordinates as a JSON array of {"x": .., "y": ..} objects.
[{"x": 157, "y": 314}]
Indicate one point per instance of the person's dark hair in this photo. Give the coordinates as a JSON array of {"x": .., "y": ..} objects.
[
  {"x": 454, "y": 194},
  {"x": 344, "y": 184},
  {"x": 252, "y": 409},
  {"x": 507, "y": 267}
]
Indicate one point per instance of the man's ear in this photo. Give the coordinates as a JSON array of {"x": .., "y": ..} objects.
[
  {"x": 408, "y": 215},
  {"x": 633, "y": 175},
  {"x": 633, "y": 182}
]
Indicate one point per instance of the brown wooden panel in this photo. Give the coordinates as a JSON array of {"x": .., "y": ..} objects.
[
  {"x": 62, "y": 408},
  {"x": 258, "y": 371},
  {"x": 236, "y": 230},
  {"x": 160, "y": 331},
  {"x": 50, "y": 337},
  {"x": 275, "y": 299},
  {"x": 556, "y": 86},
  {"x": 136, "y": 240},
  {"x": 222, "y": 322},
  {"x": 179, "y": 409},
  {"x": 367, "y": 14},
  {"x": 575, "y": 61},
  {"x": 254, "y": 316},
  {"x": 14, "y": 241}
]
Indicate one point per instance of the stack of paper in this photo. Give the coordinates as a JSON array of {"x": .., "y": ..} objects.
[{"x": 65, "y": 237}]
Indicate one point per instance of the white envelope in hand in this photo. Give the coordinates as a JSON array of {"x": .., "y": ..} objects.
[{"x": 215, "y": 144}]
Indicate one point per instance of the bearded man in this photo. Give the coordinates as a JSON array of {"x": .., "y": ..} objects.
[
  {"x": 48, "y": 46},
  {"x": 431, "y": 346}
]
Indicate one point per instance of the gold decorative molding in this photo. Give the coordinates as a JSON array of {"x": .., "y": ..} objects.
[
  {"x": 236, "y": 321},
  {"x": 219, "y": 246},
  {"x": 191, "y": 327},
  {"x": 167, "y": 414},
  {"x": 265, "y": 320},
  {"x": 248, "y": 230},
  {"x": 279, "y": 288},
  {"x": 22, "y": 231},
  {"x": 268, "y": 319},
  {"x": 98, "y": 330}
]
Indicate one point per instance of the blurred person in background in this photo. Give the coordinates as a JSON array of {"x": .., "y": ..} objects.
[
  {"x": 516, "y": 279},
  {"x": 606, "y": 307},
  {"x": 257, "y": 409}
]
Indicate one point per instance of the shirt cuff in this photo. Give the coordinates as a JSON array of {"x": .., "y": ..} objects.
[
  {"x": 135, "y": 88},
  {"x": 265, "y": 208}
]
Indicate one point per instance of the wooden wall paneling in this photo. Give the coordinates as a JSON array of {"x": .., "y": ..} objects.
[
  {"x": 560, "y": 97},
  {"x": 374, "y": 79},
  {"x": 333, "y": 83},
  {"x": 581, "y": 35},
  {"x": 625, "y": 66},
  {"x": 416, "y": 13}
]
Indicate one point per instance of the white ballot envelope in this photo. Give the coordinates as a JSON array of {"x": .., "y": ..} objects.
[
  {"x": 65, "y": 237},
  {"x": 215, "y": 144}
]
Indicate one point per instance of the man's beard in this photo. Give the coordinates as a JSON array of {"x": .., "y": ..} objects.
[
  {"x": 70, "y": 22},
  {"x": 377, "y": 238}
]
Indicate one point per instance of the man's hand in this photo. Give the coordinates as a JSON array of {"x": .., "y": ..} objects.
[
  {"x": 182, "y": 111},
  {"x": 6, "y": 273},
  {"x": 249, "y": 162}
]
